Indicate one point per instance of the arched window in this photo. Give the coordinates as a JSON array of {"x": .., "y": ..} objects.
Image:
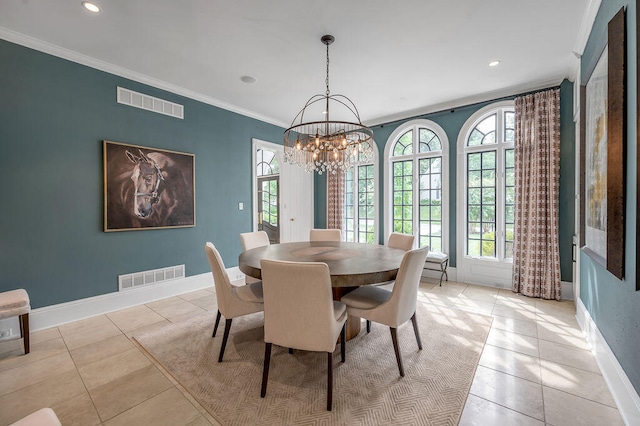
[
  {"x": 486, "y": 189},
  {"x": 360, "y": 207},
  {"x": 416, "y": 177}
]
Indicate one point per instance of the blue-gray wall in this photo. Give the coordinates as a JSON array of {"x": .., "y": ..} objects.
[
  {"x": 54, "y": 115},
  {"x": 452, "y": 121},
  {"x": 614, "y": 305}
]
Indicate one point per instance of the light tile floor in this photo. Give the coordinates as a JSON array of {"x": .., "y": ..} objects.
[{"x": 536, "y": 367}]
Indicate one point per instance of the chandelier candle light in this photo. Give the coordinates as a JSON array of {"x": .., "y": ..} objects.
[{"x": 326, "y": 146}]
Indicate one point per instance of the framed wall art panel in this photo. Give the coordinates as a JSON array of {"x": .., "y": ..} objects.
[{"x": 147, "y": 188}]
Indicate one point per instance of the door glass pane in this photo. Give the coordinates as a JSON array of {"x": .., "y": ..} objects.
[
  {"x": 430, "y": 190},
  {"x": 509, "y": 189},
  {"x": 481, "y": 204},
  {"x": 403, "y": 197}
]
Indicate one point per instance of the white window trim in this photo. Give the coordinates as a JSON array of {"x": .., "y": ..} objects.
[
  {"x": 477, "y": 270},
  {"x": 376, "y": 198},
  {"x": 388, "y": 173}
]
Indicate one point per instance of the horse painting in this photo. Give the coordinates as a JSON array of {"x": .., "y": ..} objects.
[{"x": 147, "y": 188}]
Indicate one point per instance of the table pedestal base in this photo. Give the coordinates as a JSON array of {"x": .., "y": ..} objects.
[{"x": 353, "y": 323}]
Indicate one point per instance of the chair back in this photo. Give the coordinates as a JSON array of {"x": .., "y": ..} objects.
[
  {"x": 250, "y": 240},
  {"x": 298, "y": 305},
  {"x": 400, "y": 241},
  {"x": 325, "y": 235},
  {"x": 405, "y": 290},
  {"x": 224, "y": 290}
]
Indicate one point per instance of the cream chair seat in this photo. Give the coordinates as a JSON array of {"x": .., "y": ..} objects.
[
  {"x": 300, "y": 313},
  {"x": 251, "y": 240},
  {"x": 232, "y": 301},
  {"x": 15, "y": 303},
  {"x": 392, "y": 308},
  {"x": 325, "y": 235}
]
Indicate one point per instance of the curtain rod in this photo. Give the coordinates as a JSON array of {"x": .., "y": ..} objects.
[{"x": 503, "y": 98}]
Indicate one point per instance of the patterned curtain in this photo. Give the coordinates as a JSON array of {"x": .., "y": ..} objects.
[
  {"x": 335, "y": 200},
  {"x": 536, "y": 258}
]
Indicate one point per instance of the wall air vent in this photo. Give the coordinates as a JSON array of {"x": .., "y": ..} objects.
[
  {"x": 140, "y": 100},
  {"x": 145, "y": 278}
]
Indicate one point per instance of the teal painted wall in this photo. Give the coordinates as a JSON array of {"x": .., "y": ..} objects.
[
  {"x": 54, "y": 115},
  {"x": 613, "y": 304},
  {"x": 452, "y": 121}
]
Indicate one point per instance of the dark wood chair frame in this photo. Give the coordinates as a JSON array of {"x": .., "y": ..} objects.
[
  {"x": 394, "y": 338},
  {"x": 267, "y": 361}
]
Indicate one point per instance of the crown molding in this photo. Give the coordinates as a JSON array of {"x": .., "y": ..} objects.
[
  {"x": 588, "y": 19},
  {"x": 60, "y": 52}
]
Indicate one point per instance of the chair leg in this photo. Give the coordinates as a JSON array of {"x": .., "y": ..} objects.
[
  {"x": 265, "y": 369},
  {"x": 368, "y": 326},
  {"x": 329, "y": 381},
  {"x": 394, "y": 337},
  {"x": 227, "y": 326},
  {"x": 415, "y": 330},
  {"x": 343, "y": 340},
  {"x": 24, "y": 331},
  {"x": 290, "y": 350},
  {"x": 215, "y": 327}
]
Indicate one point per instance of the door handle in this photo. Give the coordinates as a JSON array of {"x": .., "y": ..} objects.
[{"x": 292, "y": 219}]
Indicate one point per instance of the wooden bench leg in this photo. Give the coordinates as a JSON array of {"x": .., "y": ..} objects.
[{"x": 24, "y": 331}]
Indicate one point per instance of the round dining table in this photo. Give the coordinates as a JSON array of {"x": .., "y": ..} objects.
[{"x": 351, "y": 265}]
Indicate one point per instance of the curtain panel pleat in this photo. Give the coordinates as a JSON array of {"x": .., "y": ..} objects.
[
  {"x": 536, "y": 257},
  {"x": 335, "y": 200}
]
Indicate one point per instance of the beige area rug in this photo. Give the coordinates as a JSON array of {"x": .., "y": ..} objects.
[{"x": 367, "y": 388}]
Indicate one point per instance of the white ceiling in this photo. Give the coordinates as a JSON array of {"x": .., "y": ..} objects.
[{"x": 393, "y": 59}]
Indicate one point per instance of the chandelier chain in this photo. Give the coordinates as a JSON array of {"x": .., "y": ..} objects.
[{"x": 327, "y": 79}]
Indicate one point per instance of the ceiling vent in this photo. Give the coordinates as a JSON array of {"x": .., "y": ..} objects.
[
  {"x": 145, "y": 278},
  {"x": 140, "y": 100}
]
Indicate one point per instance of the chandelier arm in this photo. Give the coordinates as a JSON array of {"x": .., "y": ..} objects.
[
  {"x": 312, "y": 100},
  {"x": 353, "y": 110}
]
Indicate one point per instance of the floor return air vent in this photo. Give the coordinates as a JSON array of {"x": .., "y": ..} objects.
[{"x": 145, "y": 278}]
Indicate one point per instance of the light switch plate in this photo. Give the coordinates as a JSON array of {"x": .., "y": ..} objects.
[{"x": 240, "y": 206}]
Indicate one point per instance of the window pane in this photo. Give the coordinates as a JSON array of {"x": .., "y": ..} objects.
[
  {"x": 404, "y": 146},
  {"x": 403, "y": 196},
  {"x": 481, "y": 207},
  {"x": 474, "y": 161},
  {"x": 509, "y": 201},
  {"x": 509, "y": 126},
  {"x": 430, "y": 184},
  {"x": 429, "y": 141}
]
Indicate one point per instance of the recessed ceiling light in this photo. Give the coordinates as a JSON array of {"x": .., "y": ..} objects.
[
  {"x": 494, "y": 63},
  {"x": 248, "y": 79},
  {"x": 91, "y": 7}
]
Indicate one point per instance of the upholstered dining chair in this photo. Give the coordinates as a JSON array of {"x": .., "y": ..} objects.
[
  {"x": 401, "y": 241},
  {"x": 300, "y": 313},
  {"x": 232, "y": 301},
  {"x": 392, "y": 308},
  {"x": 251, "y": 240},
  {"x": 325, "y": 235}
]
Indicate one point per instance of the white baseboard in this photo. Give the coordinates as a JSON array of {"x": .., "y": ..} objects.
[
  {"x": 62, "y": 313},
  {"x": 623, "y": 392}
]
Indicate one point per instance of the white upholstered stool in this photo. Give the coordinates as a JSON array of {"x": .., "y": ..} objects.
[
  {"x": 439, "y": 262},
  {"x": 15, "y": 303},
  {"x": 42, "y": 417}
]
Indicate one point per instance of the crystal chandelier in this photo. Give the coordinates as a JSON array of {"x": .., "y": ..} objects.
[{"x": 326, "y": 145}]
